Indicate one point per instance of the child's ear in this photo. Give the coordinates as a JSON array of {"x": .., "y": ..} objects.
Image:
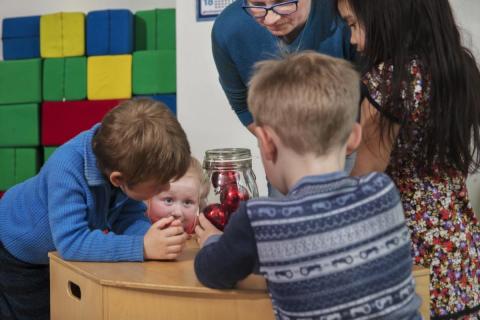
[
  {"x": 266, "y": 143},
  {"x": 116, "y": 178},
  {"x": 355, "y": 138}
]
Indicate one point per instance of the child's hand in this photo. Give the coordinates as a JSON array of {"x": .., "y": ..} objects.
[
  {"x": 164, "y": 240},
  {"x": 205, "y": 229}
]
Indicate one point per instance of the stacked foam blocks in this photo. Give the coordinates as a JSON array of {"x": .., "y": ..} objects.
[{"x": 63, "y": 71}]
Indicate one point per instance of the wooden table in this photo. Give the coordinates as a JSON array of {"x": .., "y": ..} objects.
[{"x": 158, "y": 290}]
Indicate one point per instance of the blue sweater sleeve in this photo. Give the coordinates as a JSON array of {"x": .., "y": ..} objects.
[
  {"x": 221, "y": 264},
  {"x": 233, "y": 86},
  {"x": 132, "y": 220},
  {"x": 69, "y": 226}
]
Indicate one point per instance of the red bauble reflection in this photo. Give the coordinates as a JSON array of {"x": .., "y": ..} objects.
[
  {"x": 217, "y": 214},
  {"x": 231, "y": 195},
  {"x": 220, "y": 179}
]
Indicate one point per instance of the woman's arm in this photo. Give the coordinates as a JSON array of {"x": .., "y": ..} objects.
[{"x": 373, "y": 154}]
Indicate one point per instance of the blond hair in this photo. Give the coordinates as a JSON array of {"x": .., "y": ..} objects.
[
  {"x": 143, "y": 140},
  {"x": 311, "y": 100},
  {"x": 196, "y": 170}
]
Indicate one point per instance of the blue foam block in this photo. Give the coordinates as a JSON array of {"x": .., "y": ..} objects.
[
  {"x": 109, "y": 32},
  {"x": 21, "y": 38},
  {"x": 169, "y": 99}
]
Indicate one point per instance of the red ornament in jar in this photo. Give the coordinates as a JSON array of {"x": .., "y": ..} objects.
[
  {"x": 217, "y": 214},
  {"x": 231, "y": 195},
  {"x": 220, "y": 179}
]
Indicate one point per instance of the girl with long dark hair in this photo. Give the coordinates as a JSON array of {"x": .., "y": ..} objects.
[{"x": 421, "y": 119}]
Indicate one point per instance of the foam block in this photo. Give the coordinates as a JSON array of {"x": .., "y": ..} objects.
[
  {"x": 19, "y": 125},
  {"x": 155, "y": 29},
  {"x": 21, "y": 38},
  {"x": 169, "y": 99},
  {"x": 1, "y": 194},
  {"x": 17, "y": 165},
  {"x": 109, "y": 77},
  {"x": 154, "y": 71},
  {"x": 62, "y": 35},
  {"x": 109, "y": 32},
  {"x": 65, "y": 79},
  {"x": 47, "y": 152},
  {"x": 61, "y": 121},
  {"x": 20, "y": 81}
]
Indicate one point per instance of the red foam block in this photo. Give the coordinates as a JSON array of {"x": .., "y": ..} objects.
[
  {"x": 61, "y": 121},
  {"x": 1, "y": 194}
]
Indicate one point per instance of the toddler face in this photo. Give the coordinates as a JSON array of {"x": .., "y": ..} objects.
[{"x": 181, "y": 201}]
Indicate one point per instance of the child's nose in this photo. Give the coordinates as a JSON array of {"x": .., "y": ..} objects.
[{"x": 177, "y": 212}]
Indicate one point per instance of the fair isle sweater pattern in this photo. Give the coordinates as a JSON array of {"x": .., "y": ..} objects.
[{"x": 338, "y": 250}]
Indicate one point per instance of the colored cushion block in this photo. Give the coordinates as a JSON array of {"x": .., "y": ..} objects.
[
  {"x": 17, "y": 165},
  {"x": 47, "y": 152},
  {"x": 155, "y": 29},
  {"x": 109, "y": 32},
  {"x": 21, "y": 38},
  {"x": 20, "y": 81},
  {"x": 62, "y": 35},
  {"x": 169, "y": 99},
  {"x": 19, "y": 125},
  {"x": 61, "y": 121},
  {"x": 154, "y": 72},
  {"x": 1, "y": 194},
  {"x": 65, "y": 79},
  {"x": 109, "y": 77}
]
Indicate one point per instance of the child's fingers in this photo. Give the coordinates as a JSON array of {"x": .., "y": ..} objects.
[
  {"x": 176, "y": 223},
  {"x": 177, "y": 239},
  {"x": 163, "y": 222},
  {"x": 175, "y": 248},
  {"x": 206, "y": 224},
  {"x": 173, "y": 231}
]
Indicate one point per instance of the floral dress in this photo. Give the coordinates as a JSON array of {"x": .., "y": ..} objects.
[{"x": 444, "y": 230}]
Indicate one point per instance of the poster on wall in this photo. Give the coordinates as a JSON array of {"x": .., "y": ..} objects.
[{"x": 209, "y": 9}]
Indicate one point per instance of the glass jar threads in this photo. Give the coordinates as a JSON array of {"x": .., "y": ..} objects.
[{"x": 232, "y": 180}]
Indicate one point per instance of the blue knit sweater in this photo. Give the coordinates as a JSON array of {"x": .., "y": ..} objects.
[
  {"x": 66, "y": 206},
  {"x": 238, "y": 42},
  {"x": 335, "y": 248}
]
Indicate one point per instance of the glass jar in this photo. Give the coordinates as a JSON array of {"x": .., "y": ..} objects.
[{"x": 232, "y": 180}]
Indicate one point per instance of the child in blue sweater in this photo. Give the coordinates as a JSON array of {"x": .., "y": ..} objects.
[
  {"x": 87, "y": 203},
  {"x": 336, "y": 247}
]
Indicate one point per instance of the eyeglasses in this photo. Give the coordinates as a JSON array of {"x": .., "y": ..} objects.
[{"x": 282, "y": 9}]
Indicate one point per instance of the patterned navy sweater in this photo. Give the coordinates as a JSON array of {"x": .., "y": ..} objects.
[{"x": 336, "y": 247}]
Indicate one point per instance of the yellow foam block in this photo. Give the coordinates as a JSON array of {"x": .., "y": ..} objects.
[
  {"x": 109, "y": 77},
  {"x": 62, "y": 35}
]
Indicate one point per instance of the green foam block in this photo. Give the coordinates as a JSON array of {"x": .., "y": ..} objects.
[
  {"x": 155, "y": 29},
  {"x": 154, "y": 72},
  {"x": 65, "y": 79},
  {"x": 17, "y": 165},
  {"x": 20, "y": 81},
  {"x": 47, "y": 152},
  {"x": 19, "y": 125}
]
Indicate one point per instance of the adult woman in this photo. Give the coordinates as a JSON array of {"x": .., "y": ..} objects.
[
  {"x": 248, "y": 31},
  {"x": 421, "y": 125}
]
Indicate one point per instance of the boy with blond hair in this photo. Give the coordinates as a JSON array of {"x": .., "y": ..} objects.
[
  {"x": 86, "y": 203},
  {"x": 336, "y": 247}
]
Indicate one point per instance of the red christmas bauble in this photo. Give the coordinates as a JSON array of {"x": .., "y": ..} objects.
[
  {"x": 217, "y": 214},
  {"x": 231, "y": 195},
  {"x": 222, "y": 178}
]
